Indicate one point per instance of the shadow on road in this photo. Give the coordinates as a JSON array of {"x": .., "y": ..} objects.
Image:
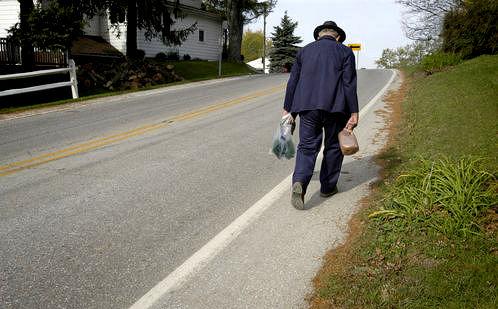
[{"x": 353, "y": 174}]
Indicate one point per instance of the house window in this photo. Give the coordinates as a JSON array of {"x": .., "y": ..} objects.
[{"x": 201, "y": 35}]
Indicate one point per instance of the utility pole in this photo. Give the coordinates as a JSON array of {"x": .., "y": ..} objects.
[
  {"x": 224, "y": 26},
  {"x": 264, "y": 38},
  {"x": 220, "y": 59}
]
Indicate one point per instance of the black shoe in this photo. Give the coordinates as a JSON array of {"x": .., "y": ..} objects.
[
  {"x": 297, "y": 198},
  {"x": 329, "y": 194}
]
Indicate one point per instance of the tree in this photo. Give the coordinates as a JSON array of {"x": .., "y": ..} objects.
[
  {"x": 234, "y": 9},
  {"x": 284, "y": 49},
  {"x": 26, "y": 8},
  {"x": 155, "y": 17},
  {"x": 388, "y": 60},
  {"x": 252, "y": 45},
  {"x": 471, "y": 29},
  {"x": 424, "y": 18},
  {"x": 408, "y": 55},
  {"x": 51, "y": 24},
  {"x": 57, "y": 23},
  {"x": 237, "y": 13}
]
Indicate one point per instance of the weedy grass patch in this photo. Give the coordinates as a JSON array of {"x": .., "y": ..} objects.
[
  {"x": 439, "y": 61},
  {"x": 446, "y": 195}
]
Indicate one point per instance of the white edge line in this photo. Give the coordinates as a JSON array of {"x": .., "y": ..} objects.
[
  {"x": 212, "y": 248},
  {"x": 205, "y": 254},
  {"x": 369, "y": 105}
]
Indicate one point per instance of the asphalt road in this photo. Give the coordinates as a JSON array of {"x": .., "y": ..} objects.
[{"x": 100, "y": 202}]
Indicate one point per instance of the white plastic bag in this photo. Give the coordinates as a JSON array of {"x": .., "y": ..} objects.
[{"x": 283, "y": 145}]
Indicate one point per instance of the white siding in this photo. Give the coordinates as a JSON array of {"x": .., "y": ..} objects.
[
  {"x": 207, "y": 50},
  {"x": 115, "y": 36},
  {"x": 9, "y": 15},
  {"x": 93, "y": 26},
  {"x": 101, "y": 26}
]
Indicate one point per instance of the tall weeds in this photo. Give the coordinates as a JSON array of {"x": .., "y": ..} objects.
[{"x": 449, "y": 196}]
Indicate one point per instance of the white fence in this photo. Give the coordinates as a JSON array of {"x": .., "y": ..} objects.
[{"x": 73, "y": 81}]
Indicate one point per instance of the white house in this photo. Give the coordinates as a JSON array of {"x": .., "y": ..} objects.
[
  {"x": 204, "y": 43},
  {"x": 9, "y": 15}
]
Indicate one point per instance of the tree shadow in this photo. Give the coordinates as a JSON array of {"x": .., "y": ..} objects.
[{"x": 353, "y": 174}]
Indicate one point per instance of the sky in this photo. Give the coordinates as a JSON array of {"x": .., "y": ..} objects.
[{"x": 375, "y": 24}]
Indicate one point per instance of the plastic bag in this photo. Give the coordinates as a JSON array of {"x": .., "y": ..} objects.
[{"x": 283, "y": 145}]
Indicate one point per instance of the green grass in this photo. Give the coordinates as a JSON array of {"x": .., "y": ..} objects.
[
  {"x": 454, "y": 113},
  {"x": 396, "y": 267},
  {"x": 191, "y": 71},
  {"x": 431, "y": 233},
  {"x": 198, "y": 70}
]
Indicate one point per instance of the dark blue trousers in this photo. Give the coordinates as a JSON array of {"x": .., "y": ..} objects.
[{"x": 311, "y": 127}]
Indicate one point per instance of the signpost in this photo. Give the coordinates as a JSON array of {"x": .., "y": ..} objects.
[{"x": 356, "y": 47}]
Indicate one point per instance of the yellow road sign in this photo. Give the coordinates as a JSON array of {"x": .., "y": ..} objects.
[{"x": 355, "y": 47}]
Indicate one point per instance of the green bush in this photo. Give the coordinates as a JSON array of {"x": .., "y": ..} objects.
[
  {"x": 173, "y": 56},
  {"x": 161, "y": 56},
  {"x": 450, "y": 196},
  {"x": 471, "y": 28},
  {"x": 436, "y": 62}
]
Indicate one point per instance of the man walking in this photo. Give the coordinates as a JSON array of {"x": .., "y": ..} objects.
[{"x": 322, "y": 91}]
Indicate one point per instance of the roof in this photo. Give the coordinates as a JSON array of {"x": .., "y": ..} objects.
[{"x": 94, "y": 46}]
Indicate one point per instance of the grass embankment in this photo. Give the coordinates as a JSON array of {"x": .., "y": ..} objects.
[
  {"x": 428, "y": 237},
  {"x": 201, "y": 70},
  {"x": 190, "y": 71}
]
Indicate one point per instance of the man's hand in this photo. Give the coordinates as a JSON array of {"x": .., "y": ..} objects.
[
  {"x": 293, "y": 121},
  {"x": 352, "y": 122},
  {"x": 284, "y": 113}
]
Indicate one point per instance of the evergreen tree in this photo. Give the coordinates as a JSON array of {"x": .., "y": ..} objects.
[
  {"x": 50, "y": 24},
  {"x": 284, "y": 49}
]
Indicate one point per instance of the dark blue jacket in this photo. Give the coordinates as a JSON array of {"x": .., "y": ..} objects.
[{"x": 324, "y": 78}]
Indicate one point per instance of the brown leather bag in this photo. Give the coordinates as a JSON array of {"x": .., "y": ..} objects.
[{"x": 348, "y": 142}]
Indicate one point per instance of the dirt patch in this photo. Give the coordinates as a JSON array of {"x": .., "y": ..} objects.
[
  {"x": 491, "y": 221},
  {"x": 342, "y": 257},
  {"x": 392, "y": 116}
]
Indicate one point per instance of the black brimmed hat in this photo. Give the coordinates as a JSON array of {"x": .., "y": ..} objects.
[{"x": 330, "y": 25}]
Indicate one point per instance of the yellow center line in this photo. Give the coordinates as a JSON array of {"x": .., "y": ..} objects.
[{"x": 15, "y": 167}]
